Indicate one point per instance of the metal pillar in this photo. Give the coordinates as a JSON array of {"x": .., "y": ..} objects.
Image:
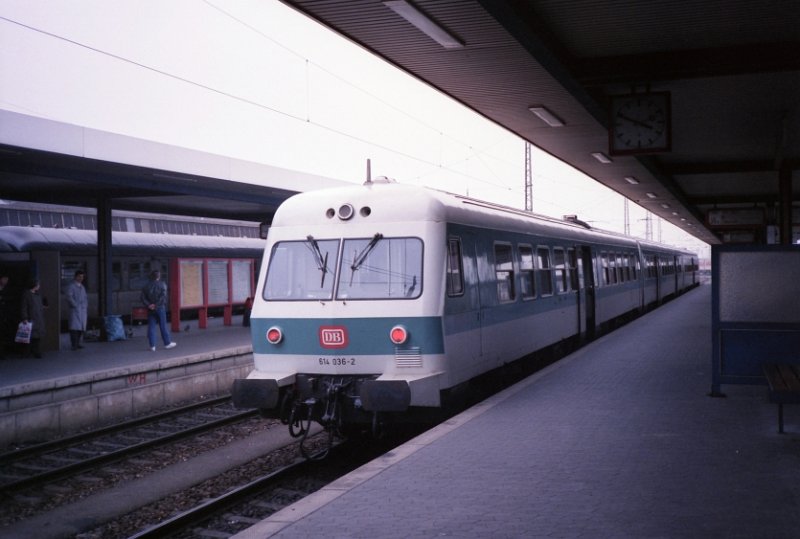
[
  {"x": 785, "y": 201},
  {"x": 104, "y": 286},
  {"x": 627, "y": 217},
  {"x": 528, "y": 179}
]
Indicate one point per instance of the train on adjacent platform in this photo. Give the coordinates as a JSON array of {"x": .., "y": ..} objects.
[
  {"x": 383, "y": 302},
  {"x": 24, "y": 250}
]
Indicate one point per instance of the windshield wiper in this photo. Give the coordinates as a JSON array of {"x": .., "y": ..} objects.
[
  {"x": 322, "y": 262},
  {"x": 367, "y": 249}
]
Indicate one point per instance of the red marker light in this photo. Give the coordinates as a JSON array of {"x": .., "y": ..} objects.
[
  {"x": 398, "y": 335},
  {"x": 274, "y": 335}
]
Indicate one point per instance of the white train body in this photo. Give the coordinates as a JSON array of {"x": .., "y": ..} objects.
[{"x": 470, "y": 285}]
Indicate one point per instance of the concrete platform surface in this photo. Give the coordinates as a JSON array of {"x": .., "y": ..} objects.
[{"x": 619, "y": 439}]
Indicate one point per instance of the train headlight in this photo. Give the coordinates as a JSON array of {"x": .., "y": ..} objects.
[
  {"x": 274, "y": 335},
  {"x": 398, "y": 335},
  {"x": 346, "y": 212}
]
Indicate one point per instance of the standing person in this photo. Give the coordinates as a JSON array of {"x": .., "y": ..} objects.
[
  {"x": 7, "y": 316},
  {"x": 154, "y": 297},
  {"x": 78, "y": 303},
  {"x": 33, "y": 311}
]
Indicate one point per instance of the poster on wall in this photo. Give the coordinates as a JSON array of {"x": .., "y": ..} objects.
[
  {"x": 217, "y": 282},
  {"x": 241, "y": 279},
  {"x": 191, "y": 279}
]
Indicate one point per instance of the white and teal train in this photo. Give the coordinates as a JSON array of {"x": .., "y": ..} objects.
[{"x": 382, "y": 302}]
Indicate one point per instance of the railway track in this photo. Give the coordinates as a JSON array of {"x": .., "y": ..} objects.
[
  {"x": 243, "y": 506},
  {"x": 47, "y": 462}
]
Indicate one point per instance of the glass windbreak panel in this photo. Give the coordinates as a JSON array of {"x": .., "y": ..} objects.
[
  {"x": 301, "y": 270},
  {"x": 381, "y": 268}
]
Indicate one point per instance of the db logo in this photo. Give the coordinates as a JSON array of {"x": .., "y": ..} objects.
[{"x": 333, "y": 336}]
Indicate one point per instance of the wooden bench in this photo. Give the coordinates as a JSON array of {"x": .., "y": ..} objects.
[{"x": 784, "y": 386}]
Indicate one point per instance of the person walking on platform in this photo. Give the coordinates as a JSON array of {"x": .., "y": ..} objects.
[
  {"x": 78, "y": 303},
  {"x": 32, "y": 310},
  {"x": 154, "y": 297}
]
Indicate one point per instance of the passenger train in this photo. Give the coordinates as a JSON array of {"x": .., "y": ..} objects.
[
  {"x": 382, "y": 302},
  {"x": 134, "y": 255}
]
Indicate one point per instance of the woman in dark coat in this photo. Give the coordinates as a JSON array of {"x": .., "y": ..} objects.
[{"x": 33, "y": 311}]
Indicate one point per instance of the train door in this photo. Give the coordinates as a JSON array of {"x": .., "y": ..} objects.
[
  {"x": 586, "y": 293},
  {"x": 463, "y": 303},
  {"x": 658, "y": 270}
]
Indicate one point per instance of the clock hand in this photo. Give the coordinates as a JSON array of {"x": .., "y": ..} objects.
[{"x": 634, "y": 121}]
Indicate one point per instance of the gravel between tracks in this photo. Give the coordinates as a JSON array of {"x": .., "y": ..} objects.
[{"x": 111, "y": 512}]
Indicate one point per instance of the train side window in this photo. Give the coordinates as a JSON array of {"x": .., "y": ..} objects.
[
  {"x": 526, "y": 281},
  {"x": 455, "y": 268},
  {"x": 560, "y": 269},
  {"x": 545, "y": 271},
  {"x": 572, "y": 262},
  {"x": 504, "y": 272},
  {"x": 605, "y": 267}
]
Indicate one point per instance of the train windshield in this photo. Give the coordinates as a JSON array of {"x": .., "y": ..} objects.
[
  {"x": 302, "y": 270},
  {"x": 380, "y": 268},
  {"x": 369, "y": 268}
]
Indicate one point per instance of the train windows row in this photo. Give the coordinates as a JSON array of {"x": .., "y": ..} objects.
[
  {"x": 541, "y": 271},
  {"x": 126, "y": 274},
  {"x": 556, "y": 270},
  {"x": 617, "y": 267}
]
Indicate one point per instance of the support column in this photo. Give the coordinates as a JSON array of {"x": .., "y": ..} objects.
[
  {"x": 785, "y": 201},
  {"x": 104, "y": 287}
]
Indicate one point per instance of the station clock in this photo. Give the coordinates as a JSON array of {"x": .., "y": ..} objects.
[{"x": 639, "y": 123}]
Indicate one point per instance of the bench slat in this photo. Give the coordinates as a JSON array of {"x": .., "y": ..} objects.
[{"x": 784, "y": 383}]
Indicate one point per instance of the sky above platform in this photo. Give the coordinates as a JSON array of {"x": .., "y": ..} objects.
[{"x": 255, "y": 80}]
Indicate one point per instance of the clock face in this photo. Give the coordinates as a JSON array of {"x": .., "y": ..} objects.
[{"x": 640, "y": 123}]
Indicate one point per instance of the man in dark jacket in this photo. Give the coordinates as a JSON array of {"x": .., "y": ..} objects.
[{"x": 154, "y": 297}]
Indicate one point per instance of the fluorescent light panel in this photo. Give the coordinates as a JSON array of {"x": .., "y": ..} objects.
[
  {"x": 421, "y": 21},
  {"x": 651, "y": 195},
  {"x": 603, "y": 158},
  {"x": 546, "y": 116},
  {"x": 631, "y": 180}
]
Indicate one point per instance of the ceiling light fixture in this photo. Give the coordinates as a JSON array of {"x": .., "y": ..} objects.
[
  {"x": 424, "y": 24},
  {"x": 603, "y": 158},
  {"x": 546, "y": 116},
  {"x": 665, "y": 205},
  {"x": 651, "y": 195},
  {"x": 631, "y": 180}
]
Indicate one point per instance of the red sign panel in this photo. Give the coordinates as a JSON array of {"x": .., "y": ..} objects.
[{"x": 333, "y": 336}]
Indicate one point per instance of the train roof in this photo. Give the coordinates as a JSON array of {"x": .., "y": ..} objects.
[
  {"x": 24, "y": 239},
  {"x": 385, "y": 200}
]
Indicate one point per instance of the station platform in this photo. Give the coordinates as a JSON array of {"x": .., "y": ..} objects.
[
  {"x": 619, "y": 439},
  {"x": 68, "y": 390}
]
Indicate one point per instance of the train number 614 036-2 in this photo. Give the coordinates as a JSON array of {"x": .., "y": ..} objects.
[{"x": 338, "y": 361}]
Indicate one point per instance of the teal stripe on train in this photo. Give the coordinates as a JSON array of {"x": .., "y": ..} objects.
[{"x": 365, "y": 336}]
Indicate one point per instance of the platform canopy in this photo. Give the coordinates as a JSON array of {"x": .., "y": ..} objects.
[
  {"x": 693, "y": 104},
  {"x": 52, "y": 162}
]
